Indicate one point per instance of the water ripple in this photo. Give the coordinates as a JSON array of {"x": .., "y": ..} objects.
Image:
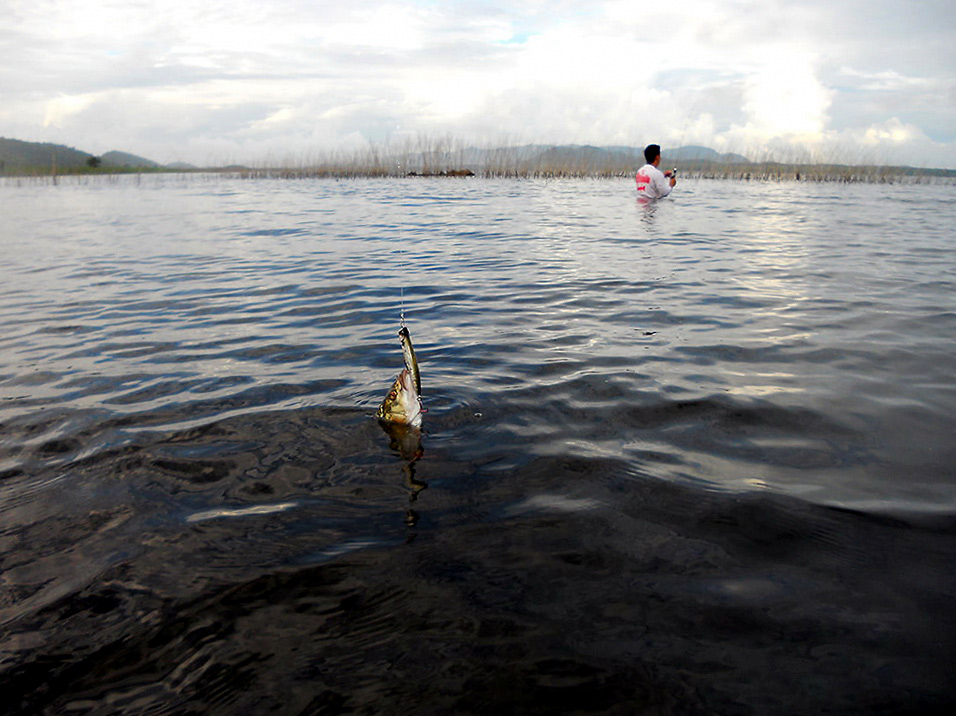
[{"x": 700, "y": 433}]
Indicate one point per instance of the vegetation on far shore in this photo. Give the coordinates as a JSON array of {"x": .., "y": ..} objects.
[{"x": 446, "y": 157}]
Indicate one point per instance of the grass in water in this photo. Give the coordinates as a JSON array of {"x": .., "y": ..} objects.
[{"x": 450, "y": 157}]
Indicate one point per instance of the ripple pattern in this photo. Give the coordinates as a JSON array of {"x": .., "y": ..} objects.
[{"x": 676, "y": 458}]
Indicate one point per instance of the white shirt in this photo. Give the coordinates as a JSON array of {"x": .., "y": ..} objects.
[{"x": 651, "y": 182}]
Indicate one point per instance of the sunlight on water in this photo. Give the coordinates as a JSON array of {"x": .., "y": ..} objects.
[
  {"x": 240, "y": 512},
  {"x": 213, "y": 297}
]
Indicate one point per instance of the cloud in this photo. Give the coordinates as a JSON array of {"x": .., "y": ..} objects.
[
  {"x": 784, "y": 98},
  {"x": 865, "y": 96},
  {"x": 184, "y": 80},
  {"x": 60, "y": 109},
  {"x": 893, "y": 131}
]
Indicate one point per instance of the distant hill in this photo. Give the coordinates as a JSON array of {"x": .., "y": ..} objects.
[
  {"x": 590, "y": 156},
  {"x": 590, "y": 159},
  {"x": 124, "y": 159},
  {"x": 15, "y": 154},
  {"x": 586, "y": 158},
  {"x": 19, "y": 156},
  {"x": 588, "y": 153},
  {"x": 35, "y": 157},
  {"x": 693, "y": 153},
  {"x": 564, "y": 160}
]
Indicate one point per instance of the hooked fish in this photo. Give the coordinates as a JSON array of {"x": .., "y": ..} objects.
[
  {"x": 402, "y": 403},
  {"x": 408, "y": 355}
]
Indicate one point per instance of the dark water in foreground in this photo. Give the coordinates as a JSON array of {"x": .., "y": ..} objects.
[{"x": 692, "y": 459}]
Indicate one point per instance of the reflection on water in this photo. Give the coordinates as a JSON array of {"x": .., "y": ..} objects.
[
  {"x": 406, "y": 441},
  {"x": 240, "y": 511},
  {"x": 691, "y": 457}
]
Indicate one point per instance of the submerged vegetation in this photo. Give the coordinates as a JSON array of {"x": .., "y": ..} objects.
[{"x": 448, "y": 157}]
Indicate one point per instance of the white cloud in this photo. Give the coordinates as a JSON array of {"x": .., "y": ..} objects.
[
  {"x": 785, "y": 99},
  {"x": 885, "y": 80},
  {"x": 59, "y": 109},
  {"x": 246, "y": 78},
  {"x": 892, "y": 130}
]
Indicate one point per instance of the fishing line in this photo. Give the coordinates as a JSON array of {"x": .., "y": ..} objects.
[
  {"x": 401, "y": 285},
  {"x": 687, "y": 118}
]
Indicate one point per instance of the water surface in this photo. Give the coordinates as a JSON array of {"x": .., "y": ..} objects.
[{"x": 695, "y": 457}]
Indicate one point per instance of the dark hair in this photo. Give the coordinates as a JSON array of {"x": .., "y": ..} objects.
[{"x": 651, "y": 152}]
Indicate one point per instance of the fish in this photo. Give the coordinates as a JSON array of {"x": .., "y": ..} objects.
[
  {"x": 403, "y": 403},
  {"x": 408, "y": 354}
]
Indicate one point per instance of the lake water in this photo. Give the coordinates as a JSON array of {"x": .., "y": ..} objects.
[{"x": 692, "y": 458}]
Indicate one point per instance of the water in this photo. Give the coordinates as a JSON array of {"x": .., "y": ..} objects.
[{"x": 689, "y": 458}]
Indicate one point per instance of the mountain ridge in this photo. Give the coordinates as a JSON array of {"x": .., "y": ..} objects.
[
  {"x": 16, "y": 154},
  {"x": 19, "y": 155},
  {"x": 125, "y": 159}
]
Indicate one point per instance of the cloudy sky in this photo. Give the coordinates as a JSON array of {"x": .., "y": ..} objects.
[{"x": 204, "y": 81}]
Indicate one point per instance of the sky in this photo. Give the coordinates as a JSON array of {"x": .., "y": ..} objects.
[{"x": 284, "y": 81}]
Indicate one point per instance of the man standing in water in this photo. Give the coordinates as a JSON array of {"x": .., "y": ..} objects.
[{"x": 652, "y": 183}]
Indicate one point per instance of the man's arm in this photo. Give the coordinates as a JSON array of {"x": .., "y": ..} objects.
[{"x": 664, "y": 185}]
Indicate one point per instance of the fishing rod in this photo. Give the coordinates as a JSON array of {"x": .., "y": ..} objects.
[{"x": 683, "y": 133}]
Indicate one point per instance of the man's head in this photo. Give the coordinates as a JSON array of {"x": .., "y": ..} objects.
[{"x": 652, "y": 153}]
